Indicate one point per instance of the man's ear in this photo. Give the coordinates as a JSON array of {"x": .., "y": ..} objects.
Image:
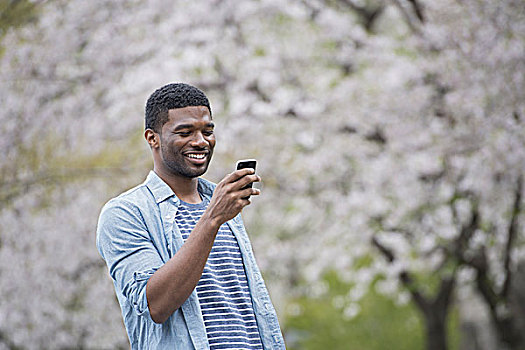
[{"x": 152, "y": 138}]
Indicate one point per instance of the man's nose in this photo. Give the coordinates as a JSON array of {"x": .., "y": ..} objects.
[{"x": 199, "y": 140}]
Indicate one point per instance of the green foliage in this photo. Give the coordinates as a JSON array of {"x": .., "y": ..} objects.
[
  {"x": 405, "y": 52},
  {"x": 381, "y": 324},
  {"x": 363, "y": 261},
  {"x": 14, "y": 13},
  {"x": 259, "y": 52}
]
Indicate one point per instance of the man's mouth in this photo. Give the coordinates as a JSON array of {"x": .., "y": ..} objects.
[{"x": 196, "y": 157}]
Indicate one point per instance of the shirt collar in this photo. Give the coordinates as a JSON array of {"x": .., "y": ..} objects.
[{"x": 161, "y": 191}]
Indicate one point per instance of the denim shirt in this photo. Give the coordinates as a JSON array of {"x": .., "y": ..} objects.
[{"x": 136, "y": 235}]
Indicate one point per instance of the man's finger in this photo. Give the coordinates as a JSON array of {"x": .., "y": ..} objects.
[
  {"x": 237, "y": 174},
  {"x": 247, "y": 192},
  {"x": 246, "y": 181}
]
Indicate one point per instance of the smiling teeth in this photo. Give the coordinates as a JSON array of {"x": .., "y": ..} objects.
[{"x": 196, "y": 156}]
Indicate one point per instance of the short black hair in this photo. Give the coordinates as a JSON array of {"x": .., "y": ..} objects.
[{"x": 171, "y": 96}]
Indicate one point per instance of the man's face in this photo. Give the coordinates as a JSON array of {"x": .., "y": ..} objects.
[{"x": 187, "y": 141}]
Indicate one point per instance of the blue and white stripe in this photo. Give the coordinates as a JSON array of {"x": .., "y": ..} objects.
[{"x": 223, "y": 291}]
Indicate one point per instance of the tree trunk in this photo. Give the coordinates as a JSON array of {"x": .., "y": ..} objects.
[
  {"x": 510, "y": 336},
  {"x": 436, "y": 329},
  {"x": 517, "y": 306}
]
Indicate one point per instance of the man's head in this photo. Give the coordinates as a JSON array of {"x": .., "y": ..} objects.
[
  {"x": 180, "y": 131},
  {"x": 171, "y": 96}
]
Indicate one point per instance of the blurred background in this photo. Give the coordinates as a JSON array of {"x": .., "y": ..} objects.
[{"x": 389, "y": 136}]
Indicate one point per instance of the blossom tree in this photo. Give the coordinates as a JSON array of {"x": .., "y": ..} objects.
[
  {"x": 434, "y": 168},
  {"x": 386, "y": 131}
]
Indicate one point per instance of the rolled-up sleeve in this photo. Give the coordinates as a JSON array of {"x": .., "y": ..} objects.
[{"x": 125, "y": 244}]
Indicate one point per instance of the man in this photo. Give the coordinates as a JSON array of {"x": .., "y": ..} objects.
[{"x": 175, "y": 246}]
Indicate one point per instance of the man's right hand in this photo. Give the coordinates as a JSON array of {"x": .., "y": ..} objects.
[{"x": 231, "y": 196}]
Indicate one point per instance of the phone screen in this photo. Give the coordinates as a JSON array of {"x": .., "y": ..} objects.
[{"x": 247, "y": 163}]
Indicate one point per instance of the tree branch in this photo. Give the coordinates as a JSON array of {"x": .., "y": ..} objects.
[
  {"x": 387, "y": 253},
  {"x": 417, "y": 10},
  {"x": 513, "y": 232},
  {"x": 405, "y": 277},
  {"x": 485, "y": 287},
  {"x": 479, "y": 261},
  {"x": 417, "y": 296},
  {"x": 459, "y": 246},
  {"x": 367, "y": 15},
  {"x": 412, "y": 20},
  {"x": 4, "y": 339}
]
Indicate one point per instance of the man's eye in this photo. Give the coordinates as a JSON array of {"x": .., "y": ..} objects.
[
  {"x": 184, "y": 133},
  {"x": 208, "y": 132}
]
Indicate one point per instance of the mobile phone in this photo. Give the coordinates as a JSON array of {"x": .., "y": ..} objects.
[{"x": 247, "y": 163}]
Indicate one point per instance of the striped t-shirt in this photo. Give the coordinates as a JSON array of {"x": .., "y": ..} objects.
[{"x": 222, "y": 291}]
